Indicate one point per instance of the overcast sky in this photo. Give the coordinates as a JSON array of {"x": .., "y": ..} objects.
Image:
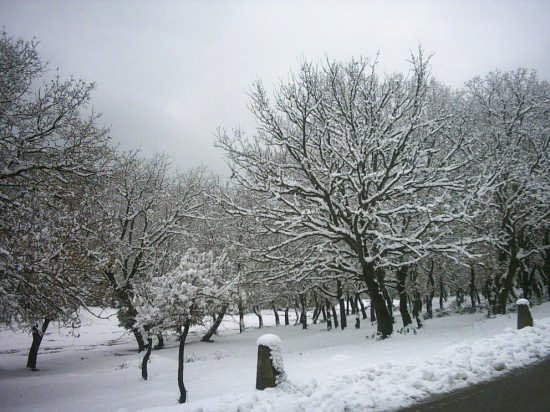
[{"x": 168, "y": 73}]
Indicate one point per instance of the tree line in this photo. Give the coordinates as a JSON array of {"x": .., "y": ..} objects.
[{"x": 355, "y": 189}]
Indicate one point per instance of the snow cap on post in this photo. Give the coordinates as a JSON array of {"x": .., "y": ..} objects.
[
  {"x": 270, "y": 370},
  {"x": 524, "y": 314},
  {"x": 270, "y": 340}
]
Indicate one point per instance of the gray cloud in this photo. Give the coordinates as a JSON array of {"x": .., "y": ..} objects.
[{"x": 169, "y": 73}]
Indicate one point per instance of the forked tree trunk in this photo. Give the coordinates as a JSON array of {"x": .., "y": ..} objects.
[
  {"x": 37, "y": 335},
  {"x": 181, "y": 385},
  {"x": 215, "y": 325}
]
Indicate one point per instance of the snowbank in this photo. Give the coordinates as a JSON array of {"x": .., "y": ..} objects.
[
  {"x": 390, "y": 385},
  {"x": 326, "y": 370}
]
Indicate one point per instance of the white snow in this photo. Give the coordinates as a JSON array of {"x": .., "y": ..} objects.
[
  {"x": 522, "y": 302},
  {"x": 270, "y": 340},
  {"x": 325, "y": 370}
]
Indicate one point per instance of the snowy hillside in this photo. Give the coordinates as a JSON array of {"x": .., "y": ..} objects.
[{"x": 327, "y": 371}]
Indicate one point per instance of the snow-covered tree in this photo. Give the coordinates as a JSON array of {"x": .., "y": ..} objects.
[
  {"x": 180, "y": 298},
  {"x": 52, "y": 151},
  {"x": 343, "y": 157},
  {"x": 145, "y": 210},
  {"x": 510, "y": 113}
]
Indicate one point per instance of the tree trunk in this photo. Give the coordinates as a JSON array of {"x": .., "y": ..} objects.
[
  {"x": 139, "y": 339},
  {"x": 259, "y": 315},
  {"x": 403, "y": 308},
  {"x": 37, "y": 335},
  {"x": 317, "y": 310},
  {"x": 546, "y": 265},
  {"x": 287, "y": 320},
  {"x": 160, "y": 343},
  {"x": 303, "y": 314},
  {"x": 145, "y": 360},
  {"x": 324, "y": 313},
  {"x": 215, "y": 325},
  {"x": 473, "y": 290},
  {"x": 383, "y": 317},
  {"x": 441, "y": 292},
  {"x": 343, "y": 318},
  {"x": 181, "y": 385},
  {"x": 361, "y": 305},
  {"x": 342, "y": 305},
  {"x": 126, "y": 311},
  {"x": 241, "y": 316},
  {"x": 384, "y": 321},
  {"x": 431, "y": 291},
  {"x": 276, "y": 313},
  {"x": 388, "y": 299},
  {"x": 329, "y": 321},
  {"x": 334, "y": 316},
  {"x": 506, "y": 286},
  {"x": 417, "y": 307}
]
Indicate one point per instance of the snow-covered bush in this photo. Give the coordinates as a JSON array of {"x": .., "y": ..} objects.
[{"x": 166, "y": 302}]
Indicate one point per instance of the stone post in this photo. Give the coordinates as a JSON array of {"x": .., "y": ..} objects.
[
  {"x": 270, "y": 369},
  {"x": 524, "y": 314}
]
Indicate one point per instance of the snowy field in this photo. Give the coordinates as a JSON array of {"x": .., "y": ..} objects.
[{"x": 327, "y": 370}]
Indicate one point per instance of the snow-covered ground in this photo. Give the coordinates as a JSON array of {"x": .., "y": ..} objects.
[{"x": 326, "y": 370}]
